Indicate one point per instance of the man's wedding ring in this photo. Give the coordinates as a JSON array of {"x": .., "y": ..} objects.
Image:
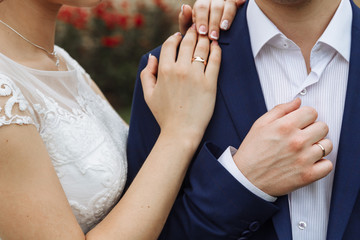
[
  {"x": 199, "y": 59},
  {"x": 322, "y": 148}
]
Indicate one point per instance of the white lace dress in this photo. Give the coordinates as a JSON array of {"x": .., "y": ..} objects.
[{"x": 83, "y": 134}]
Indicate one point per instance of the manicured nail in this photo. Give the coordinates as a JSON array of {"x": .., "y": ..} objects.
[
  {"x": 182, "y": 8},
  {"x": 193, "y": 26},
  {"x": 177, "y": 34},
  {"x": 202, "y": 30},
  {"x": 224, "y": 25},
  {"x": 149, "y": 56},
  {"x": 214, "y": 43},
  {"x": 214, "y": 35}
]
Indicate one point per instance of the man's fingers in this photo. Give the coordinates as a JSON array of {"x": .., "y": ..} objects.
[
  {"x": 217, "y": 8},
  {"x": 229, "y": 13},
  {"x": 316, "y": 131},
  {"x": 319, "y": 170},
  {"x": 185, "y": 18},
  {"x": 169, "y": 48},
  {"x": 187, "y": 46},
  {"x": 201, "y": 16},
  {"x": 148, "y": 76},
  {"x": 302, "y": 117},
  {"x": 213, "y": 66},
  {"x": 281, "y": 110},
  {"x": 322, "y": 148}
]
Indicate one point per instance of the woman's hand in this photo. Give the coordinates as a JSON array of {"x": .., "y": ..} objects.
[
  {"x": 182, "y": 98},
  {"x": 209, "y": 15}
]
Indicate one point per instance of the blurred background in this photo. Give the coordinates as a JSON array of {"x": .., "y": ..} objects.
[{"x": 109, "y": 40}]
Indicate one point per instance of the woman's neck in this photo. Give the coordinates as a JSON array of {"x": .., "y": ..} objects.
[{"x": 35, "y": 20}]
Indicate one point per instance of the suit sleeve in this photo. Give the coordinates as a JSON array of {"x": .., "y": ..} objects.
[{"x": 211, "y": 204}]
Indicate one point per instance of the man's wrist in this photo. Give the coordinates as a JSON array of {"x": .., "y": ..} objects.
[{"x": 226, "y": 159}]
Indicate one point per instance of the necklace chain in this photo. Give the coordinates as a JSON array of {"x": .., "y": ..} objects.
[{"x": 53, "y": 53}]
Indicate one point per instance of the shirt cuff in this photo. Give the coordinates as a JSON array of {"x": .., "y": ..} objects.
[{"x": 227, "y": 161}]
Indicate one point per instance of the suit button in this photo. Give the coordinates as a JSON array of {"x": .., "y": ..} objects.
[
  {"x": 246, "y": 233},
  {"x": 254, "y": 226}
]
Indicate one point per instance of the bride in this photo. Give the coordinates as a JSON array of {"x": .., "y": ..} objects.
[{"x": 63, "y": 164}]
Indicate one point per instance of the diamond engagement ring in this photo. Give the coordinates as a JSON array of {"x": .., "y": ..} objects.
[
  {"x": 199, "y": 59},
  {"x": 322, "y": 148}
]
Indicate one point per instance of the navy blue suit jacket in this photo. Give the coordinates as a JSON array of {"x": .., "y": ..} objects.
[{"x": 211, "y": 203}]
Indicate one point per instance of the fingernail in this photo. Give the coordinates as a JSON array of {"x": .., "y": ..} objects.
[
  {"x": 214, "y": 35},
  {"x": 215, "y": 43},
  {"x": 202, "y": 30},
  {"x": 149, "y": 56},
  {"x": 224, "y": 25},
  {"x": 193, "y": 26},
  {"x": 177, "y": 34},
  {"x": 182, "y": 8}
]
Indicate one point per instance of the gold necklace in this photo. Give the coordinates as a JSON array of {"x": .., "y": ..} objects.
[{"x": 53, "y": 53}]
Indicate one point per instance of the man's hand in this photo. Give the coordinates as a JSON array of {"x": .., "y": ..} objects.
[
  {"x": 209, "y": 16},
  {"x": 280, "y": 154}
]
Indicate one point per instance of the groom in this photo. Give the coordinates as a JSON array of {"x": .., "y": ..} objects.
[{"x": 276, "y": 51}]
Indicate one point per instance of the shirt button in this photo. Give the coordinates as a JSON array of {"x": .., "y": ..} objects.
[
  {"x": 285, "y": 45},
  {"x": 303, "y": 92},
  {"x": 302, "y": 225}
]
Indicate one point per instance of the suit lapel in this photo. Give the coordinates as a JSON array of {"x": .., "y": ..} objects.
[
  {"x": 347, "y": 176},
  {"x": 238, "y": 80},
  {"x": 240, "y": 87}
]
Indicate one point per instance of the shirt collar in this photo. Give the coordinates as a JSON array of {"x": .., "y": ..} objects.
[{"x": 337, "y": 34}]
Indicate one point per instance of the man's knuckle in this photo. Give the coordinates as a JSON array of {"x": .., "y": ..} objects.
[
  {"x": 311, "y": 111},
  {"x": 296, "y": 144},
  {"x": 285, "y": 127},
  {"x": 307, "y": 176}
]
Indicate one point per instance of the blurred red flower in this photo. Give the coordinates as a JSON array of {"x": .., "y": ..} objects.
[
  {"x": 110, "y": 19},
  {"x": 161, "y": 5},
  {"x": 122, "y": 21},
  {"x": 77, "y": 17},
  {"x": 139, "y": 20},
  {"x": 111, "y": 41},
  {"x": 102, "y": 8}
]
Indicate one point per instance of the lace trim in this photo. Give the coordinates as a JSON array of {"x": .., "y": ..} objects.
[{"x": 8, "y": 89}]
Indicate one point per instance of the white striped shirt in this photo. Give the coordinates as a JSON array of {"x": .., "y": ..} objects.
[{"x": 283, "y": 77}]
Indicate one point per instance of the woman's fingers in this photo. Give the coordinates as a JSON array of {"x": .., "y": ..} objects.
[
  {"x": 213, "y": 66},
  {"x": 185, "y": 18},
  {"x": 187, "y": 46},
  {"x": 169, "y": 49},
  {"x": 229, "y": 13},
  {"x": 201, "y": 15},
  {"x": 212, "y": 15},
  {"x": 148, "y": 76},
  {"x": 201, "y": 52},
  {"x": 216, "y": 13}
]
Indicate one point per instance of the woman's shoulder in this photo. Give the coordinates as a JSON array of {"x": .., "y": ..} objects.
[{"x": 14, "y": 108}]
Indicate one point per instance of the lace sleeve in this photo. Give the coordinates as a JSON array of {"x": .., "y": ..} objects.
[{"x": 14, "y": 109}]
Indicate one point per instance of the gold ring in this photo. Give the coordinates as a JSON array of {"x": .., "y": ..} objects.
[
  {"x": 322, "y": 148},
  {"x": 199, "y": 59}
]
